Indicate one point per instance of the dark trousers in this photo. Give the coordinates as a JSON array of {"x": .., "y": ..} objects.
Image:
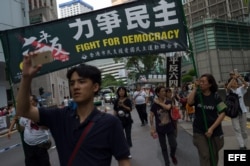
[
  {"x": 127, "y": 130},
  {"x": 36, "y": 156},
  {"x": 23, "y": 143},
  {"x": 172, "y": 143},
  {"x": 141, "y": 109}
]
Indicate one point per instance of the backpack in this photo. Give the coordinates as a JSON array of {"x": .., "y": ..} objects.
[{"x": 233, "y": 105}]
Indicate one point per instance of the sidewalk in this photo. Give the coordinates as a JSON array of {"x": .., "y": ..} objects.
[{"x": 230, "y": 141}]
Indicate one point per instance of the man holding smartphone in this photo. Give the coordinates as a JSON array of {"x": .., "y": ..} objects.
[
  {"x": 238, "y": 85},
  {"x": 100, "y": 142}
]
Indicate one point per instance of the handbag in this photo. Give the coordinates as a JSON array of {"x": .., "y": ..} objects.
[
  {"x": 45, "y": 145},
  {"x": 175, "y": 114},
  {"x": 190, "y": 109},
  {"x": 183, "y": 101}
]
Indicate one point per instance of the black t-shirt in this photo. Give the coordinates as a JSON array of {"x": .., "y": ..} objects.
[
  {"x": 211, "y": 108},
  {"x": 123, "y": 114},
  {"x": 163, "y": 121},
  {"x": 104, "y": 140}
]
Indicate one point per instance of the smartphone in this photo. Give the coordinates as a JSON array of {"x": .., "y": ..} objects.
[
  {"x": 42, "y": 58},
  {"x": 236, "y": 72}
]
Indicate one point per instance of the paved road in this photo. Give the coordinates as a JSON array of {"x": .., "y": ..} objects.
[{"x": 145, "y": 151}]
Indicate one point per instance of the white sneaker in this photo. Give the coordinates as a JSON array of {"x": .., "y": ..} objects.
[{"x": 130, "y": 157}]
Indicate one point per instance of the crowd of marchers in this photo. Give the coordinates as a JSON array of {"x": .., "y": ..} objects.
[{"x": 84, "y": 132}]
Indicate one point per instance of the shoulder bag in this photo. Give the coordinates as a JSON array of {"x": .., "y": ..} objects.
[{"x": 82, "y": 137}]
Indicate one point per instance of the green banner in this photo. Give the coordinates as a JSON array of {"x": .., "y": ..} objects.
[{"x": 137, "y": 28}]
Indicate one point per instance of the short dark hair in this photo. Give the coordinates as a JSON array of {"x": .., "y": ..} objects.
[
  {"x": 86, "y": 71},
  {"x": 158, "y": 89}
]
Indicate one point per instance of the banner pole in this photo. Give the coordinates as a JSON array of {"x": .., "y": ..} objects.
[{"x": 191, "y": 55}]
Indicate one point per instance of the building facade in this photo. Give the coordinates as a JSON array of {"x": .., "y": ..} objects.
[
  {"x": 74, "y": 7},
  {"x": 196, "y": 10},
  {"x": 14, "y": 14},
  {"x": 42, "y": 11},
  {"x": 219, "y": 31},
  {"x": 221, "y": 46},
  {"x": 115, "y": 69}
]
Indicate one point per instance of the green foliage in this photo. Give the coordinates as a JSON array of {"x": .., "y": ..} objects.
[
  {"x": 110, "y": 80},
  {"x": 189, "y": 76},
  {"x": 143, "y": 65},
  {"x": 191, "y": 72},
  {"x": 186, "y": 78}
]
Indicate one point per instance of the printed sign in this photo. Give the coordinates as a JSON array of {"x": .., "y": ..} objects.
[
  {"x": 174, "y": 71},
  {"x": 136, "y": 28}
]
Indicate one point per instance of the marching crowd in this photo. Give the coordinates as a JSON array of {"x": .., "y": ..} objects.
[
  {"x": 8, "y": 110},
  {"x": 84, "y": 134},
  {"x": 193, "y": 101},
  {"x": 199, "y": 103}
]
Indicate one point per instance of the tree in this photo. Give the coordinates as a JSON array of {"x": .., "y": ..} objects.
[
  {"x": 109, "y": 80},
  {"x": 192, "y": 72},
  {"x": 189, "y": 76},
  {"x": 142, "y": 65},
  {"x": 186, "y": 78}
]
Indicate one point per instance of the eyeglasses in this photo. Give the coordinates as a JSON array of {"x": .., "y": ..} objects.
[{"x": 203, "y": 81}]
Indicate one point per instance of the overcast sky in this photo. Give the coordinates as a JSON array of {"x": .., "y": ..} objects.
[{"x": 97, "y": 4}]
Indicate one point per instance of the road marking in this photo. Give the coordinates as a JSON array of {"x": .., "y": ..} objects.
[
  {"x": 248, "y": 125},
  {"x": 8, "y": 148},
  {"x": 229, "y": 119},
  {"x": 15, "y": 146}
]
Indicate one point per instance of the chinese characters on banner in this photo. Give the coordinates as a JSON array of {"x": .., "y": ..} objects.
[
  {"x": 174, "y": 71},
  {"x": 138, "y": 28}
]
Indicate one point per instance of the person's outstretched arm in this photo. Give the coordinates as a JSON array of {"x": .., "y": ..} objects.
[
  {"x": 12, "y": 123},
  {"x": 191, "y": 96},
  {"x": 24, "y": 107}
]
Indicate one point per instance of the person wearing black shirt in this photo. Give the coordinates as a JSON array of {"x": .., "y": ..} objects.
[
  {"x": 207, "y": 102},
  {"x": 164, "y": 125},
  {"x": 122, "y": 109}
]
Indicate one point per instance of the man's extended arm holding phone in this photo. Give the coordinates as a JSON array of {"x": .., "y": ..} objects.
[{"x": 24, "y": 108}]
